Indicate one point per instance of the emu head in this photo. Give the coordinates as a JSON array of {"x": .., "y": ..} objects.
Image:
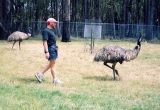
[
  {"x": 29, "y": 31},
  {"x": 137, "y": 48},
  {"x": 29, "y": 34},
  {"x": 139, "y": 39}
]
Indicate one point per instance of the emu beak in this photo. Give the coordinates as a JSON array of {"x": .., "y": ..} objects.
[
  {"x": 29, "y": 34},
  {"x": 140, "y": 39}
]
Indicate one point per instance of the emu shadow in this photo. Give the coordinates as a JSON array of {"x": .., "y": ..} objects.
[{"x": 100, "y": 78}]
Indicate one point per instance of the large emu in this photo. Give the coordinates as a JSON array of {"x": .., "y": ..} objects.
[
  {"x": 113, "y": 54},
  {"x": 18, "y": 36}
]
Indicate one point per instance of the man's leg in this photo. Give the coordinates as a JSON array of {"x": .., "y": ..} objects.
[
  {"x": 46, "y": 68},
  {"x": 52, "y": 67},
  {"x": 40, "y": 75},
  {"x": 53, "y": 72}
]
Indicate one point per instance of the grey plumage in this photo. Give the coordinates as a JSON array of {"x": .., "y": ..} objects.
[
  {"x": 113, "y": 54},
  {"x": 18, "y": 36}
]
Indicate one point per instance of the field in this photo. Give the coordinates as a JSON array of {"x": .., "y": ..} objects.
[{"x": 87, "y": 85}]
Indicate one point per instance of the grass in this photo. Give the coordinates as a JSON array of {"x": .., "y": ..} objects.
[{"x": 87, "y": 85}]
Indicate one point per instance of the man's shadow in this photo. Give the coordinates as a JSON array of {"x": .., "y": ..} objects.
[{"x": 27, "y": 79}]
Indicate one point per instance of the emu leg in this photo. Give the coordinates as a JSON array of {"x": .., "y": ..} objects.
[
  {"x": 13, "y": 44},
  {"x": 107, "y": 65},
  {"x": 116, "y": 72},
  {"x": 113, "y": 68},
  {"x": 20, "y": 45}
]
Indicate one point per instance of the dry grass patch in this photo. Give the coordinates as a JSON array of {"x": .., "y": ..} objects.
[{"x": 87, "y": 85}]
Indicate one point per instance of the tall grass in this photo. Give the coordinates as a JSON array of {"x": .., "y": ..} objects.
[{"x": 87, "y": 85}]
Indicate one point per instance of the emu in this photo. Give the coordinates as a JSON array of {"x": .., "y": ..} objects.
[
  {"x": 18, "y": 36},
  {"x": 114, "y": 54}
]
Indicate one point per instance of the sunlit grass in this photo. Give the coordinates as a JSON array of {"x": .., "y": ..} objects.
[{"x": 87, "y": 85}]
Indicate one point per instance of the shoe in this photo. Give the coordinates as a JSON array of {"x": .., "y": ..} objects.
[
  {"x": 39, "y": 77},
  {"x": 57, "y": 81}
]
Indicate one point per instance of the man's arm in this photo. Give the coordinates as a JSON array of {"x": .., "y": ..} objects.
[
  {"x": 45, "y": 46},
  {"x": 46, "y": 49}
]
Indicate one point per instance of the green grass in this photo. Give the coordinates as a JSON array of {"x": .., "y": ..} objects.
[
  {"x": 87, "y": 85},
  {"x": 19, "y": 97}
]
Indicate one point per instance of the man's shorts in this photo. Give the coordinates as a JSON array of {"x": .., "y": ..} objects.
[{"x": 53, "y": 52}]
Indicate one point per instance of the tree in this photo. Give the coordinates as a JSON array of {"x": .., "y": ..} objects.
[
  {"x": 58, "y": 19},
  {"x": 148, "y": 17},
  {"x": 66, "y": 21},
  {"x": 5, "y": 19},
  {"x": 97, "y": 13}
]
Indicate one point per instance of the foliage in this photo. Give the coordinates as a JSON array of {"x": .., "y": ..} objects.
[{"x": 128, "y": 11}]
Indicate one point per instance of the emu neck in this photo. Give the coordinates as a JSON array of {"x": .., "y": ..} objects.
[{"x": 132, "y": 54}]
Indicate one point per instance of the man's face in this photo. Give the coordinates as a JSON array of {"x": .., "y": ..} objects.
[{"x": 53, "y": 24}]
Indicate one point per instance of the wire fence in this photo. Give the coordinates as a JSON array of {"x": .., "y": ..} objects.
[{"x": 96, "y": 30}]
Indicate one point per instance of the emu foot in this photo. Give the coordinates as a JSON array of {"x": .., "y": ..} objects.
[{"x": 117, "y": 78}]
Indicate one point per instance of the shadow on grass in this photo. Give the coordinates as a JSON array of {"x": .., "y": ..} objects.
[
  {"x": 99, "y": 78},
  {"x": 27, "y": 79}
]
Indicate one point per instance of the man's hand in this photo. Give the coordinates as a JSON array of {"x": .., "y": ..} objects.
[{"x": 47, "y": 55}]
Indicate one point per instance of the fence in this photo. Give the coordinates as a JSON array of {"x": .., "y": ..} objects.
[{"x": 100, "y": 30}]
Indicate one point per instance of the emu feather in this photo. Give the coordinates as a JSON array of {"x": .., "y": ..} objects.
[
  {"x": 18, "y": 36},
  {"x": 114, "y": 54}
]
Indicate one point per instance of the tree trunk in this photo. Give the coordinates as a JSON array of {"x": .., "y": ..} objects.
[
  {"x": 35, "y": 24},
  {"x": 97, "y": 10},
  {"x": 58, "y": 11},
  {"x": 148, "y": 18},
  {"x": 137, "y": 11},
  {"x": 5, "y": 19},
  {"x": 86, "y": 10},
  {"x": 66, "y": 21},
  {"x": 51, "y": 7},
  {"x": 73, "y": 15},
  {"x": 127, "y": 16}
]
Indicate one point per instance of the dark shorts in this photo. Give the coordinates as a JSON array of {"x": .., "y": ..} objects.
[{"x": 53, "y": 52}]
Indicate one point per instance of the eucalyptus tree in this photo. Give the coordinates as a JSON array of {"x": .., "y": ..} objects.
[
  {"x": 5, "y": 18},
  {"x": 66, "y": 21}
]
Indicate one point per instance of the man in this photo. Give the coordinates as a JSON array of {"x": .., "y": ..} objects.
[{"x": 50, "y": 50}]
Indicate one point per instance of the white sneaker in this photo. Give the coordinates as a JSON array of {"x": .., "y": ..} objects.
[
  {"x": 39, "y": 77},
  {"x": 57, "y": 81}
]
